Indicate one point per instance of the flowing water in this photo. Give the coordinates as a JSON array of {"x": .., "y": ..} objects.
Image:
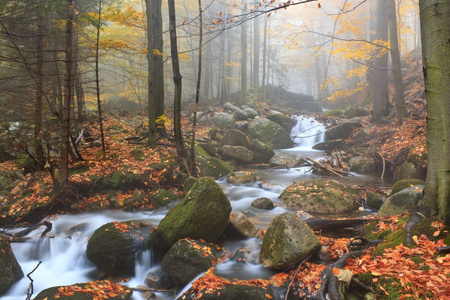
[{"x": 64, "y": 260}]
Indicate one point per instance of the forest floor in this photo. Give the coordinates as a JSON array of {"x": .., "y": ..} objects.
[{"x": 416, "y": 271}]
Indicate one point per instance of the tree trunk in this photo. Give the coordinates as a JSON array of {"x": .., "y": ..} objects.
[
  {"x": 65, "y": 125},
  {"x": 158, "y": 64},
  {"x": 256, "y": 46},
  {"x": 399, "y": 94},
  {"x": 380, "y": 72},
  {"x": 435, "y": 32},
  {"x": 97, "y": 80},
  {"x": 39, "y": 90},
  {"x": 264, "y": 60},
  {"x": 177, "y": 81},
  {"x": 243, "y": 58},
  {"x": 151, "y": 100}
]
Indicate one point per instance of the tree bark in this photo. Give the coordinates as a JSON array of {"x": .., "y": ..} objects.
[
  {"x": 244, "y": 57},
  {"x": 158, "y": 64},
  {"x": 256, "y": 48},
  {"x": 177, "y": 81},
  {"x": 399, "y": 94},
  {"x": 435, "y": 32},
  {"x": 39, "y": 90},
  {"x": 151, "y": 76},
  {"x": 97, "y": 80}
]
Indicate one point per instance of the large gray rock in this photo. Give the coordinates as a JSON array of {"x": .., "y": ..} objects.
[
  {"x": 343, "y": 130},
  {"x": 287, "y": 159},
  {"x": 202, "y": 214},
  {"x": 262, "y": 153},
  {"x": 318, "y": 196},
  {"x": 284, "y": 121},
  {"x": 209, "y": 166},
  {"x": 10, "y": 270},
  {"x": 239, "y": 153},
  {"x": 241, "y": 177},
  {"x": 223, "y": 120},
  {"x": 251, "y": 113},
  {"x": 229, "y": 107},
  {"x": 113, "y": 247},
  {"x": 234, "y": 137},
  {"x": 330, "y": 145},
  {"x": 241, "y": 224},
  {"x": 361, "y": 165},
  {"x": 104, "y": 290},
  {"x": 240, "y": 115},
  {"x": 271, "y": 133},
  {"x": 287, "y": 241},
  {"x": 188, "y": 258},
  {"x": 406, "y": 200},
  {"x": 263, "y": 203}
]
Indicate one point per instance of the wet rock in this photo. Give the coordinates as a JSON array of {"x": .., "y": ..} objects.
[
  {"x": 87, "y": 291},
  {"x": 239, "y": 153},
  {"x": 343, "y": 130},
  {"x": 202, "y": 214},
  {"x": 361, "y": 165},
  {"x": 251, "y": 113},
  {"x": 241, "y": 292},
  {"x": 406, "y": 171},
  {"x": 271, "y": 133},
  {"x": 234, "y": 137},
  {"x": 188, "y": 183},
  {"x": 287, "y": 241},
  {"x": 209, "y": 148},
  {"x": 406, "y": 200},
  {"x": 284, "y": 121},
  {"x": 319, "y": 197},
  {"x": 186, "y": 259},
  {"x": 242, "y": 225},
  {"x": 163, "y": 198},
  {"x": 210, "y": 166},
  {"x": 10, "y": 270},
  {"x": 215, "y": 134},
  {"x": 223, "y": 120},
  {"x": 373, "y": 200},
  {"x": 287, "y": 160},
  {"x": 330, "y": 145},
  {"x": 241, "y": 177},
  {"x": 158, "y": 279},
  {"x": 113, "y": 247},
  {"x": 240, "y": 115},
  {"x": 241, "y": 125},
  {"x": 263, "y": 203},
  {"x": 262, "y": 153}
]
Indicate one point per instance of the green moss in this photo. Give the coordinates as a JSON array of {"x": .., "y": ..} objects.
[
  {"x": 334, "y": 113},
  {"x": 392, "y": 240},
  {"x": 390, "y": 284},
  {"x": 137, "y": 154},
  {"x": 405, "y": 183}
]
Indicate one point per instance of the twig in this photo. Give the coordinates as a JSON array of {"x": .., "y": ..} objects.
[
  {"x": 295, "y": 275},
  {"x": 30, "y": 287},
  {"x": 384, "y": 164}
]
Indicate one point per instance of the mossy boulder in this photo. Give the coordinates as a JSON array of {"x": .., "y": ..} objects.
[
  {"x": 87, "y": 291},
  {"x": 186, "y": 259},
  {"x": 215, "y": 133},
  {"x": 361, "y": 165},
  {"x": 284, "y": 121},
  {"x": 406, "y": 200},
  {"x": 234, "y": 137},
  {"x": 213, "y": 167},
  {"x": 319, "y": 197},
  {"x": 405, "y": 183},
  {"x": 209, "y": 148},
  {"x": 287, "y": 160},
  {"x": 373, "y": 200},
  {"x": 241, "y": 177},
  {"x": 241, "y": 224},
  {"x": 330, "y": 145},
  {"x": 343, "y": 130},
  {"x": 262, "y": 153},
  {"x": 271, "y": 133},
  {"x": 240, "y": 154},
  {"x": 251, "y": 113},
  {"x": 10, "y": 270},
  {"x": 163, "y": 198},
  {"x": 263, "y": 203},
  {"x": 232, "y": 292},
  {"x": 113, "y": 247},
  {"x": 287, "y": 241},
  {"x": 202, "y": 214},
  {"x": 223, "y": 120}
]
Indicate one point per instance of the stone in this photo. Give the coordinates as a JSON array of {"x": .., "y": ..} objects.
[
  {"x": 330, "y": 145},
  {"x": 241, "y": 224},
  {"x": 209, "y": 148},
  {"x": 343, "y": 130},
  {"x": 240, "y": 115},
  {"x": 202, "y": 214},
  {"x": 284, "y": 121},
  {"x": 326, "y": 197},
  {"x": 361, "y": 165},
  {"x": 263, "y": 203},
  {"x": 406, "y": 171},
  {"x": 262, "y": 153},
  {"x": 215, "y": 134},
  {"x": 223, "y": 120},
  {"x": 287, "y": 160},
  {"x": 251, "y": 113},
  {"x": 186, "y": 259},
  {"x": 373, "y": 201},
  {"x": 405, "y": 183},
  {"x": 234, "y": 137},
  {"x": 213, "y": 167},
  {"x": 241, "y": 177},
  {"x": 229, "y": 107},
  {"x": 10, "y": 270},
  {"x": 239, "y": 153},
  {"x": 288, "y": 240},
  {"x": 406, "y": 200},
  {"x": 271, "y": 133},
  {"x": 113, "y": 247},
  {"x": 234, "y": 292}
]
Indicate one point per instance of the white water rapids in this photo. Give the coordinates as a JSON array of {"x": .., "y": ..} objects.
[{"x": 64, "y": 260}]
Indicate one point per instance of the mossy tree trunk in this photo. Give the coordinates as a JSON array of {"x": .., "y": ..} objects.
[{"x": 435, "y": 32}]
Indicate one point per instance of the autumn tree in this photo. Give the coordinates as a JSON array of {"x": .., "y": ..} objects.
[{"x": 435, "y": 31}]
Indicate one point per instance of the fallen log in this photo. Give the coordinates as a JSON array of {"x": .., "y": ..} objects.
[
  {"x": 327, "y": 168},
  {"x": 19, "y": 237},
  {"x": 331, "y": 224}
]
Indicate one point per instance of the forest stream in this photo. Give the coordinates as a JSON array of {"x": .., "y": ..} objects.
[{"x": 63, "y": 256}]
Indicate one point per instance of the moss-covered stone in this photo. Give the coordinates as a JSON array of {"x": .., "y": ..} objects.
[
  {"x": 373, "y": 200},
  {"x": 271, "y": 133},
  {"x": 87, "y": 291},
  {"x": 209, "y": 148},
  {"x": 163, "y": 198},
  {"x": 405, "y": 183},
  {"x": 404, "y": 201},
  {"x": 234, "y": 137},
  {"x": 241, "y": 177},
  {"x": 10, "y": 270},
  {"x": 202, "y": 214},
  {"x": 284, "y": 121},
  {"x": 319, "y": 197},
  {"x": 232, "y": 292},
  {"x": 262, "y": 153},
  {"x": 213, "y": 167}
]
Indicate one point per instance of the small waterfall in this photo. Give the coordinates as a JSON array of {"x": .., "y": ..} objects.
[{"x": 307, "y": 132}]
